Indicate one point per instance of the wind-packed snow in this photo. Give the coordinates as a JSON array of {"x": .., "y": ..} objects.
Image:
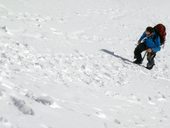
[{"x": 66, "y": 64}]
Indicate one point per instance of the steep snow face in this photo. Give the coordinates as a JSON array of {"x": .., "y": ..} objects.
[{"x": 67, "y": 64}]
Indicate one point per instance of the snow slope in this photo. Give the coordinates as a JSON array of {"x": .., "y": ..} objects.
[{"x": 65, "y": 64}]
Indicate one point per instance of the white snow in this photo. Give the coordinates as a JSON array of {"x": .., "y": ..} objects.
[{"x": 63, "y": 64}]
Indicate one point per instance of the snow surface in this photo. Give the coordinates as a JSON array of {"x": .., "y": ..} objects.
[{"x": 65, "y": 64}]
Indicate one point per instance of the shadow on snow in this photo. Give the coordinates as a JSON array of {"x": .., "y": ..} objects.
[
  {"x": 125, "y": 60},
  {"x": 117, "y": 56}
]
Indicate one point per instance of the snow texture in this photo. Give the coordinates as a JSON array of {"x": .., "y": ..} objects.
[{"x": 68, "y": 64}]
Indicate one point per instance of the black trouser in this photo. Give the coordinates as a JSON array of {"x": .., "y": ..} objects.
[
  {"x": 150, "y": 56},
  {"x": 138, "y": 50}
]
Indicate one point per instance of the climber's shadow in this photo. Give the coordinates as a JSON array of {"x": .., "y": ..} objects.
[{"x": 115, "y": 55}]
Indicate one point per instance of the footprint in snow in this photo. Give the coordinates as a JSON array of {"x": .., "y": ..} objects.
[
  {"x": 22, "y": 106},
  {"x": 117, "y": 121},
  {"x": 150, "y": 101},
  {"x": 161, "y": 97},
  {"x": 46, "y": 100},
  {"x": 6, "y": 30},
  {"x": 99, "y": 113}
]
